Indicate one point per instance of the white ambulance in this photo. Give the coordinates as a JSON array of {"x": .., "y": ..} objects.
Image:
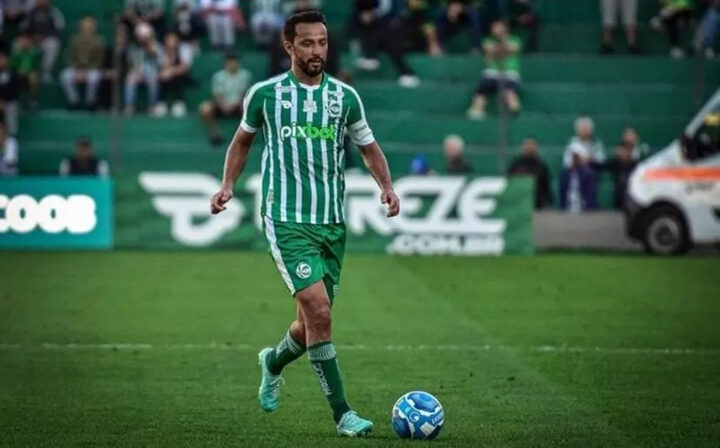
[{"x": 674, "y": 196}]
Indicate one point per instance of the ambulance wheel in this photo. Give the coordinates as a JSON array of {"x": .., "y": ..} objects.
[{"x": 665, "y": 231}]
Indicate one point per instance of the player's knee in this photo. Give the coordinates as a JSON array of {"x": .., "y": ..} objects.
[{"x": 317, "y": 311}]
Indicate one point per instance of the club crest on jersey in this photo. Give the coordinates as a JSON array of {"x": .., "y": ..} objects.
[
  {"x": 303, "y": 270},
  {"x": 309, "y": 106},
  {"x": 334, "y": 108}
]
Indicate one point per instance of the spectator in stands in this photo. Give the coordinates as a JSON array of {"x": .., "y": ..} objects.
[
  {"x": 145, "y": 11},
  {"x": 420, "y": 166},
  {"x": 266, "y": 21},
  {"x": 174, "y": 76},
  {"x": 15, "y": 11},
  {"x": 84, "y": 163},
  {"x": 372, "y": 20},
  {"x": 456, "y": 15},
  {"x": 454, "y": 147},
  {"x": 25, "y": 61},
  {"x": 621, "y": 167},
  {"x": 672, "y": 14},
  {"x": 85, "y": 59},
  {"x": 627, "y": 9},
  {"x": 710, "y": 29},
  {"x": 523, "y": 15},
  {"x": 578, "y": 185},
  {"x": 145, "y": 59},
  {"x": 291, "y": 6},
  {"x": 187, "y": 24},
  {"x": 584, "y": 144},
  {"x": 10, "y": 85},
  {"x": 228, "y": 89},
  {"x": 418, "y": 28},
  {"x": 8, "y": 154},
  {"x": 631, "y": 139},
  {"x": 115, "y": 68},
  {"x": 223, "y": 16},
  {"x": 502, "y": 72},
  {"x": 45, "y": 23},
  {"x": 530, "y": 163}
]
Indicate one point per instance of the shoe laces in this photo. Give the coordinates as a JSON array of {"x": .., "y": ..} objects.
[
  {"x": 275, "y": 385},
  {"x": 351, "y": 418}
]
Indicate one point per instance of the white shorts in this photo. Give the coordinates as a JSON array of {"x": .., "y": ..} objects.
[{"x": 626, "y": 8}]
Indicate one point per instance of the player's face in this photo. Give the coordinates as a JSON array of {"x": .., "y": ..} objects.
[{"x": 310, "y": 47}]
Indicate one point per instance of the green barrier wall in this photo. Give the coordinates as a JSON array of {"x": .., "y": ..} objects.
[{"x": 442, "y": 215}]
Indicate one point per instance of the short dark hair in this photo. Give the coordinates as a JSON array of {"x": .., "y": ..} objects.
[
  {"x": 231, "y": 56},
  {"x": 289, "y": 32},
  {"x": 83, "y": 140}
]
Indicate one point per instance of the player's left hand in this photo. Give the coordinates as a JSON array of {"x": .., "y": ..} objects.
[
  {"x": 393, "y": 203},
  {"x": 219, "y": 199}
]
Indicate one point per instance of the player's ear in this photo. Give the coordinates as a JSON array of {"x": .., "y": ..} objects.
[{"x": 288, "y": 47}]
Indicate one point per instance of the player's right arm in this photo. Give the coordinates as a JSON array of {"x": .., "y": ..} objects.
[{"x": 237, "y": 152}]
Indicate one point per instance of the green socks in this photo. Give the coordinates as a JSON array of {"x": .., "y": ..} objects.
[
  {"x": 287, "y": 351},
  {"x": 324, "y": 363}
]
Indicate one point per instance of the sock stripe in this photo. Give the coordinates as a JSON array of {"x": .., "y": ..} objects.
[
  {"x": 293, "y": 345},
  {"x": 287, "y": 351},
  {"x": 323, "y": 351}
]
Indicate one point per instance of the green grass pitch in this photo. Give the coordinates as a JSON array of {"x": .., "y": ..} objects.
[{"x": 135, "y": 350}]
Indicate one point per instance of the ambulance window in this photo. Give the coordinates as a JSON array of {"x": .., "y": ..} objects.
[{"x": 706, "y": 141}]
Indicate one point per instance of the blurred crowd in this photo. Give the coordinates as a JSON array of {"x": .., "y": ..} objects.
[
  {"x": 154, "y": 43},
  {"x": 584, "y": 161}
]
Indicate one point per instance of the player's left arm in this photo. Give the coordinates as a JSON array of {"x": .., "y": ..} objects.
[
  {"x": 373, "y": 157},
  {"x": 376, "y": 163}
]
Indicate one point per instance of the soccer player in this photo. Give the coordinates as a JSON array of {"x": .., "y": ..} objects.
[{"x": 304, "y": 115}]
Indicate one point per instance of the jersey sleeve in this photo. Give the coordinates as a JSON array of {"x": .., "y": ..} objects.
[
  {"x": 252, "y": 111},
  {"x": 357, "y": 126}
]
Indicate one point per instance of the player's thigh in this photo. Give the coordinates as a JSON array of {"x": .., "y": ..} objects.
[
  {"x": 333, "y": 256},
  {"x": 295, "y": 253}
]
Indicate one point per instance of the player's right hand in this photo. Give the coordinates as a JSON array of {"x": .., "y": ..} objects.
[{"x": 219, "y": 199}]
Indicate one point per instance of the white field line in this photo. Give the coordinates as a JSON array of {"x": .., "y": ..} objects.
[{"x": 50, "y": 346}]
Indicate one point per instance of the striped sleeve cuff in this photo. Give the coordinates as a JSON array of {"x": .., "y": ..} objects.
[{"x": 247, "y": 128}]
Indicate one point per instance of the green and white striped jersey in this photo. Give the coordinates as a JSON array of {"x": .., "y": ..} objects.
[{"x": 303, "y": 161}]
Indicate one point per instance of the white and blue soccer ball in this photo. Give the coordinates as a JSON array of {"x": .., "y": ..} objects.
[{"x": 418, "y": 415}]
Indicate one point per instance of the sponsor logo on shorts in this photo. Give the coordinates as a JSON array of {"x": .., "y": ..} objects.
[{"x": 303, "y": 270}]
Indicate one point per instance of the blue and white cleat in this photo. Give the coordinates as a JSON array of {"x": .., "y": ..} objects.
[
  {"x": 269, "y": 393},
  {"x": 351, "y": 425}
]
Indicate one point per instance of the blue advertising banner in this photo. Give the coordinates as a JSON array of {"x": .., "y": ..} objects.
[{"x": 56, "y": 213}]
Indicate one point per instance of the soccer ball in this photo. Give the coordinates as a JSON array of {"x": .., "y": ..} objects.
[{"x": 418, "y": 415}]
